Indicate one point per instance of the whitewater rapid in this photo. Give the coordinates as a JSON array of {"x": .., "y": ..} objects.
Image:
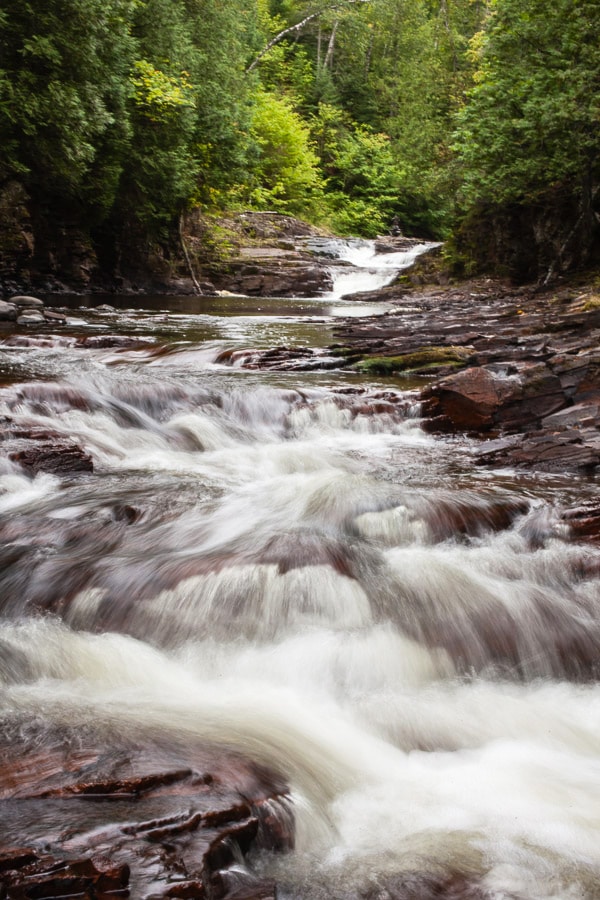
[{"x": 303, "y": 575}]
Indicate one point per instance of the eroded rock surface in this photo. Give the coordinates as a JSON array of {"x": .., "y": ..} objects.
[
  {"x": 527, "y": 378},
  {"x": 38, "y": 449},
  {"x": 92, "y": 820}
]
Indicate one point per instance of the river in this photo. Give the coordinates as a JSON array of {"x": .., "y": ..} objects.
[{"x": 284, "y": 563}]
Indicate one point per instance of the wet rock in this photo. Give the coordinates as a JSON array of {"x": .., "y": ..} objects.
[
  {"x": 276, "y": 277},
  {"x": 581, "y": 415},
  {"x": 55, "y": 318},
  {"x": 579, "y": 374},
  {"x": 22, "y": 301},
  {"x": 59, "y": 457},
  {"x": 8, "y": 311},
  {"x": 395, "y": 244},
  {"x": 123, "y": 512},
  {"x": 48, "y": 877},
  {"x": 40, "y": 396},
  {"x": 127, "y": 821},
  {"x": 469, "y": 514},
  {"x": 470, "y": 400},
  {"x": 483, "y": 398},
  {"x": 584, "y": 522},
  {"x": 119, "y": 341},
  {"x": 31, "y": 318},
  {"x": 39, "y": 340},
  {"x": 284, "y": 359},
  {"x": 556, "y": 451},
  {"x": 540, "y": 395}
]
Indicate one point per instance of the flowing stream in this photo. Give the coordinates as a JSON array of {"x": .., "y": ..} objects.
[{"x": 286, "y": 564}]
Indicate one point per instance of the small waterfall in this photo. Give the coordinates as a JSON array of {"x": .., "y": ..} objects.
[{"x": 366, "y": 269}]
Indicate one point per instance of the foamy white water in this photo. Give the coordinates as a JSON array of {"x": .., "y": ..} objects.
[
  {"x": 368, "y": 270},
  {"x": 287, "y": 570}
]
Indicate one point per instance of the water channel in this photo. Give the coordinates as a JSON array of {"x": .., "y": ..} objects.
[{"x": 283, "y": 563}]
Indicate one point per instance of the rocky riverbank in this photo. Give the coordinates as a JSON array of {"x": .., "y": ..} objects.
[
  {"x": 137, "y": 820},
  {"x": 253, "y": 253},
  {"x": 518, "y": 368}
]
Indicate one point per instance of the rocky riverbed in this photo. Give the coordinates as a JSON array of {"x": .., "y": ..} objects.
[
  {"x": 153, "y": 464},
  {"x": 517, "y": 368}
]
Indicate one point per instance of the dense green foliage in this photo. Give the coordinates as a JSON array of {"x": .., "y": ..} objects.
[
  {"x": 533, "y": 115},
  {"x": 528, "y": 136},
  {"x": 117, "y": 116},
  {"x": 63, "y": 96}
]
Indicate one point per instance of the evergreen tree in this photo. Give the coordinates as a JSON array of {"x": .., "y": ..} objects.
[
  {"x": 528, "y": 135},
  {"x": 63, "y": 102}
]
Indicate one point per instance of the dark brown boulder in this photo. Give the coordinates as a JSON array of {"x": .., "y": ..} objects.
[
  {"x": 471, "y": 399},
  {"x": 59, "y": 457},
  {"x": 481, "y": 399}
]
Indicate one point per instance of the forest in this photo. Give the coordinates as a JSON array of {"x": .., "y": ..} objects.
[
  {"x": 472, "y": 121},
  {"x": 300, "y": 430}
]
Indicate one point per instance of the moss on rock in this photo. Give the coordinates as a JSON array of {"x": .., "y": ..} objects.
[{"x": 425, "y": 358}]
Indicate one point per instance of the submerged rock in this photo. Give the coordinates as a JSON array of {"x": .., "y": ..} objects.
[{"x": 38, "y": 449}]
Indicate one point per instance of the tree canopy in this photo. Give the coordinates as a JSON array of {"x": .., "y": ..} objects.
[
  {"x": 527, "y": 139},
  {"x": 120, "y": 115}
]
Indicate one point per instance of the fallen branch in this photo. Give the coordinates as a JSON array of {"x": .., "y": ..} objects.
[{"x": 197, "y": 287}]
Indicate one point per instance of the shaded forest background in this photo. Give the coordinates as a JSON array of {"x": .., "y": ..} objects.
[{"x": 473, "y": 121}]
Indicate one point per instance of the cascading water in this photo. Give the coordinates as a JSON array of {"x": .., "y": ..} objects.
[
  {"x": 367, "y": 270},
  {"x": 288, "y": 567}
]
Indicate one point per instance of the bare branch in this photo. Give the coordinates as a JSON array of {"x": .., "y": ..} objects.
[
  {"x": 197, "y": 287},
  {"x": 298, "y": 27}
]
